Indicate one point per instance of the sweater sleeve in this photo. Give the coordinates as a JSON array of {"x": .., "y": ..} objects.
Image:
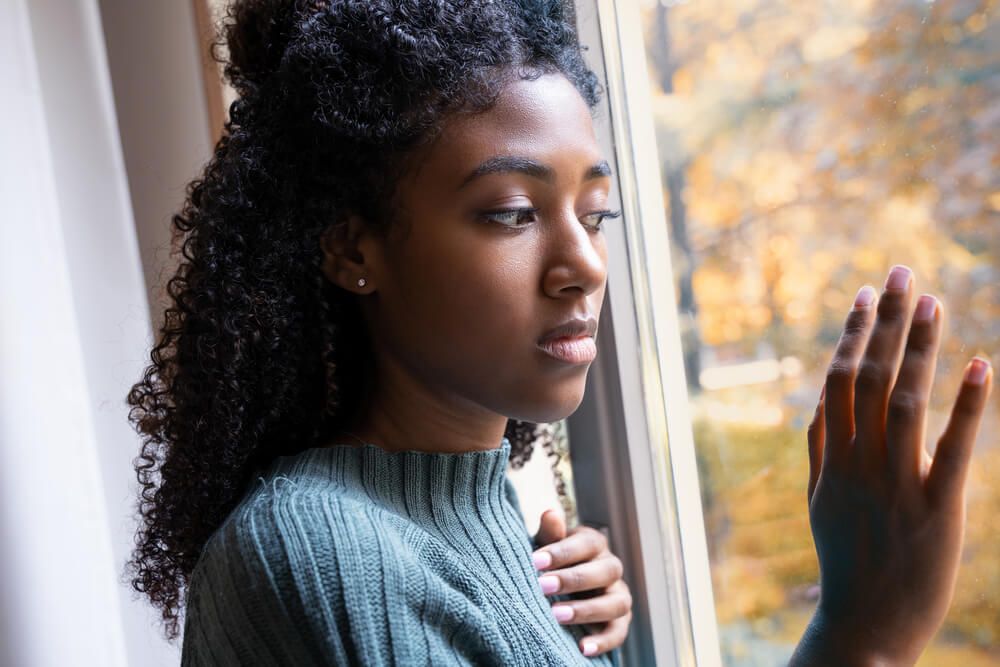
[
  {"x": 242, "y": 610},
  {"x": 306, "y": 580}
]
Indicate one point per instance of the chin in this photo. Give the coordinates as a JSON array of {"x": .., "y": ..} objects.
[{"x": 552, "y": 407}]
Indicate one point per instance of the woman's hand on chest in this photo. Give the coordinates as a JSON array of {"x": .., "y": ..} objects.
[{"x": 580, "y": 562}]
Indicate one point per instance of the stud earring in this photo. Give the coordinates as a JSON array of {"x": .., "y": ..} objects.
[{"x": 362, "y": 282}]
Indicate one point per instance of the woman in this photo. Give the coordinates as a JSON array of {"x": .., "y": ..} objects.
[
  {"x": 338, "y": 288},
  {"x": 394, "y": 270}
]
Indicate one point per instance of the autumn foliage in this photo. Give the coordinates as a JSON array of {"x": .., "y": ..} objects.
[{"x": 806, "y": 147}]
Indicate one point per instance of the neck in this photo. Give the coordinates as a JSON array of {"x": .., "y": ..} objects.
[{"x": 403, "y": 414}]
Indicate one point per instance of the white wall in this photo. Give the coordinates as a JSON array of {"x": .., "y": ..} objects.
[
  {"x": 163, "y": 121},
  {"x": 74, "y": 335}
]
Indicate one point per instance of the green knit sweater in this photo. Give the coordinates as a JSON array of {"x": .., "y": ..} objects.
[{"x": 350, "y": 555}]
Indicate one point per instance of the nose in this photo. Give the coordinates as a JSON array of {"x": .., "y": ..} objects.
[{"x": 576, "y": 261}]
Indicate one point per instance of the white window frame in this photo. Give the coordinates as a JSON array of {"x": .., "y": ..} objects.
[{"x": 632, "y": 444}]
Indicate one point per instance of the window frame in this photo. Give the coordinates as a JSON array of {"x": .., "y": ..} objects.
[{"x": 632, "y": 444}]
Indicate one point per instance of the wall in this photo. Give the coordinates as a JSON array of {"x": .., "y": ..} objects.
[{"x": 74, "y": 331}]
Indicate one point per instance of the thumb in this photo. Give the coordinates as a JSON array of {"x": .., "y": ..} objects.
[{"x": 552, "y": 528}]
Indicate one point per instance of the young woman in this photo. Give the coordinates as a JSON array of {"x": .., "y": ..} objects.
[{"x": 394, "y": 269}]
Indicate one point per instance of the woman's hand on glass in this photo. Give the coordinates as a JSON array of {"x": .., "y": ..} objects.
[
  {"x": 888, "y": 520},
  {"x": 581, "y": 562}
]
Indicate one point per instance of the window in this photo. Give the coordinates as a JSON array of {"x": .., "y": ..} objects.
[{"x": 774, "y": 157}]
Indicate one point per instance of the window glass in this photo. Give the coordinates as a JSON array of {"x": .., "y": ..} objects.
[{"x": 806, "y": 147}]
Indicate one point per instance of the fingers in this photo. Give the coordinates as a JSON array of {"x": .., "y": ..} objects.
[
  {"x": 610, "y": 637},
  {"x": 551, "y": 528},
  {"x": 906, "y": 419},
  {"x": 946, "y": 480},
  {"x": 878, "y": 368},
  {"x": 816, "y": 442},
  {"x": 614, "y": 603},
  {"x": 585, "y": 543},
  {"x": 839, "y": 399},
  {"x": 586, "y": 576}
]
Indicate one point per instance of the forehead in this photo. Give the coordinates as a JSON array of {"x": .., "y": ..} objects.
[{"x": 545, "y": 118}]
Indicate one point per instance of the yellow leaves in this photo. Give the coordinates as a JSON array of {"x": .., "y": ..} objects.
[
  {"x": 951, "y": 34},
  {"x": 831, "y": 41},
  {"x": 758, "y": 317},
  {"x": 976, "y": 23},
  {"x": 738, "y": 302},
  {"x": 720, "y": 205},
  {"x": 683, "y": 81},
  {"x": 750, "y": 590},
  {"x": 716, "y": 211},
  {"x": 758, "y": 524},
  {"x": 795, "y": 291},
  {"x": 917, "y": 99},
  {"x": 906, "y": 214},
  {"x": 799, "y": 219},
  {"x": 853, "y": 188},
  {"x": 958, "y": 256},
  {"x": 775, "y": 182},
  {"x": 712, "y": 285},
  {"x": 823, "y": 262},
  {"x": 869, "y": 259},
  {"x": 730, "y": 305},
  {"x": 980, "y": 569},
  {"x": 993, "y": 199}
]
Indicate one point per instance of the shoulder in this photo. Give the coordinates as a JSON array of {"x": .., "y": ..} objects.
[
  {"x": 271, "y": 576},
  {"x": 288, "y": 535}
]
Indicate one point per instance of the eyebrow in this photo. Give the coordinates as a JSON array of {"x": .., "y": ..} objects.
[{"x": 526, "y": 165}]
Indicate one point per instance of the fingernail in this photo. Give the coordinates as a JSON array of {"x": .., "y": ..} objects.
[
  {"x": 589, "y": 648},
  {"x": 976, "y": 373},
  {"x": 898, "y": 278},
  {"x": 549, "y": 584},
  {"x": 865, "y": 297},
  {"x": 562, "y": 612},
  {"x": 541, "y": 559},
  {"x": 925, "y": 307}
]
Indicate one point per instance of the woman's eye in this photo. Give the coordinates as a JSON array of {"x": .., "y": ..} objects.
[
  {"x": 512, "y": 217},
  {"x": 520, "y": 217},
  {"x": 601, "y": 217}
]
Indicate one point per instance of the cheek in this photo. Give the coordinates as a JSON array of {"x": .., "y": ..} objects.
[
  {"x": 468, "y": 307},
  {"x": 468, "y": 316}
]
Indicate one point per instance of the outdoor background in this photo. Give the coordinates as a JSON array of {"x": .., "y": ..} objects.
[{"x": 806, "y": 148}]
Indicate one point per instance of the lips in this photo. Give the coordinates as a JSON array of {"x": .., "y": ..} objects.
[
  {"x": 571, "y": 342},
  {"x": 575, "y": 328}
]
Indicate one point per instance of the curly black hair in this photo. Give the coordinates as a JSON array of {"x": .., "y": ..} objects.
[{"x": 259, "y": 355}]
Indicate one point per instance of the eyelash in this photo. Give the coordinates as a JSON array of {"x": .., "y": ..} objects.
[{"x": 491, "y": 215}]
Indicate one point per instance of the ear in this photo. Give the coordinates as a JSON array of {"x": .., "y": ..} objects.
[{"x": 348, "y": 255}]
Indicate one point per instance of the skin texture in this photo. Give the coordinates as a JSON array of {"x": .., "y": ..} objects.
[
  {"x": 887, "y": 518},
  {"x": 455, "y": 303}
]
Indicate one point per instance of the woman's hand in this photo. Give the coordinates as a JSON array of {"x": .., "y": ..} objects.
[
  {"x": 887, "y": 519},
  {"x": 582, "y": 562}
]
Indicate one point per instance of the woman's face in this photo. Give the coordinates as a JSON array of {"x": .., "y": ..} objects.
[{"x": 463, "y": 296}]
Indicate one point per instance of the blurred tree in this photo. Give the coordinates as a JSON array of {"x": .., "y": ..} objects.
[
  {"x": 674, "y": 172},
  {"x": 816, "y": 144},
  {"x": 807, "y": 147}
]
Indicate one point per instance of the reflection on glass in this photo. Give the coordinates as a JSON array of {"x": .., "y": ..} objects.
[{"x": 806, "y": 148}]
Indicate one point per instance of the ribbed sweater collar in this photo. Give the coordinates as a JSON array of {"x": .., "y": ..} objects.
[
  {"x": 466, "y": 500},
  {"x": 446, "y": 493}
]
